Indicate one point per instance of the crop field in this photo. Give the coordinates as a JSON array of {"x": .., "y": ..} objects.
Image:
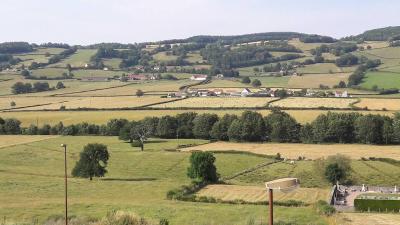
[
  {"x": 79, "y": 59},
  {"x": 112, "y": 63},
  {"x": 28, "y": 59},
  {"x": 96, "y": 73},
  {"x": 136, "y": 182},
  {"x": 164, "y": 57},
  {"x": 249, "y": 71},
  {"x": 319, "y": 68},
  {"x": 374, "y": 44},
  {"x": 102, "y": 103},
  {"x": 258, "y": 193},
  {"x": 315, "y": 80},
  {"x": 310, "y": 151},
  {"x": 49, "y": 72},
  {"x": 369, "y": 173},
  {"x": 217, "y": 102},
  {"x": 305, "y": 47},
  {"x": 101, "y": 117},
  {"x": 30, "y": 101},
  {"x": 379, "y": 104},
  {"x": 292, "y": 102},
  {"x": 305, "y": 171},
  {"x": 381, "y": 80},
  {"x": 11, "y": 140},
  {"x": 130, "y": 88},
  {"x": 389, "y": 56},
  {"x": 367, "y": 219},
  {"x": 194, "y": 57}
]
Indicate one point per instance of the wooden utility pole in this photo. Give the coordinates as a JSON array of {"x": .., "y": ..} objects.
[
  {"x": 271, "y": 207},
  {"x": 66, "y": 183}
]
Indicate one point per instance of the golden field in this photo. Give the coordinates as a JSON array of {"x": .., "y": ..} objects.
[
  {"x": 340, "y": 103},
  {"x": 30, "y": 101},
  {"x": 217, "y": 102},
  {"x": 314, "y": 80},
  {"x": 366, "y": 219},
  {"x": 379, "y": 104},
  {"x": 101, "y": 117},
  {"x": 310, "y": 151},
  {"x": 258, "y": 193},
  {"x": 102, "y": 103}
]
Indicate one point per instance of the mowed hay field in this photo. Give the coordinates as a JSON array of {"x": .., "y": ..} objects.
[
  {"x": 366, "y": 219},
  {"x": 379, "y": 104},
  {"x": 339, "y": 103},
  {"x": 315, "y": 80},
  {"x": 310, "y": 151},
  {"x": 319, "y": 68},
  {"x": 130, "y": 88},
  {"x": 217, "y": 102},
  {"x": 30, "y": 101},
  {"x": 136, "y": 182},
  {"x": 258, "y": 193},
  {"x": 102, "y": 117},
  {"x": 10, "y": 140},
  {"x": 102, "y": 103}
]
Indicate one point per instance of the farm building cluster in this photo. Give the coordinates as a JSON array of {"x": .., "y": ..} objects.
[{"x": 262, "y": 92}]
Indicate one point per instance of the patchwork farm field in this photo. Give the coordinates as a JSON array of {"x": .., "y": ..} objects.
[
  {"x": 11, "y": 140},
  {"x": 130, "y": 88},
  {"x": 79, "y": 59},
  {"x": 57, "y": 72},
  {"x": 101, "y": 102},
  {"x": 259, "y": 193},
  {"x": 315, "y": 80},
  {"x": 319, "y": 68},
  {"x": 367, "y": 219},
  {"x": 379, "y": 104},
  {"x": 102, "y": 117},
  {"x": 137, "y": 182},
  {"x": 5, "y": 102},
  {"x": 217, "y": 102},
  {"x": 340, "y": 103},
  {"x": 310, "y": 151},
  {"x": 385, "y": 80}
]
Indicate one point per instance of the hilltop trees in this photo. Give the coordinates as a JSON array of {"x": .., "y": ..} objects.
[{"x": 92, "y": 162}]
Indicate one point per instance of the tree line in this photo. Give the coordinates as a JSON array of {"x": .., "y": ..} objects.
[
  {"x": 15, "y": 47},
  {"x": 250, "y": 126},
  {"x": 22, "y": 88}
]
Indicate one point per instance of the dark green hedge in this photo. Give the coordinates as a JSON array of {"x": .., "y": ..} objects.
[{"x": 377, "y": 205}]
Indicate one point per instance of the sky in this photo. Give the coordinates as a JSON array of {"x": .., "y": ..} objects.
[{"x": 130, "y": 21}]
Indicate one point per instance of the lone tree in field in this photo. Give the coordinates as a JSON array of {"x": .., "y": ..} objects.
[
  {"x": 140, "y": 132},
  {"x": 246, "y": 80},
  {"x": 93, "y": 162},
  {"x": 139, "y": 93},
  {"x": 202, "y": 167},
  {"x": 256, "y": 83}
]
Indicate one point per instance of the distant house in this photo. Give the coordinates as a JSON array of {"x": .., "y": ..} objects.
[
  {"x": 220, "y": 76},
  {"x": 198, "y": 77},
  {"x": 95, "y": 79},
  {"x": 87, "y": 65},
  {"x": 339, "y": 94},
  {"x": 105, "y": 68},
  {"x": 155, "y": 77},
  {"x": 245, "y": 92},
  {"x": 218, "y": 91},
  {"x": 137, "y": 77}
]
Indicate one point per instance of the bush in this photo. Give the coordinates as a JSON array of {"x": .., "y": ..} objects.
[{"x": 323, "y": 208}]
